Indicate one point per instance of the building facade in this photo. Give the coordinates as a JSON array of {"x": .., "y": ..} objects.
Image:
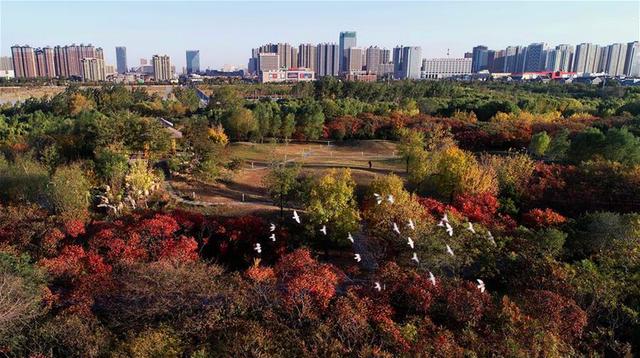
[
  {"x": 327, "y": 60},
  {"x": 307, "y": 56},
  {"x": 535, "y": 57},
  {"x": 161, "y": 68},
  {"x": 92, "y": 69},
  {"x": 121, "y": 59},
  {"x": 268, "y": 61},
  {"x": 437, "y": 68},
  {"x": 193, "y": 61},
  {"x": 586, "y": 58},
  {"x": 407, "y": 62},
  {"x": 24, "y": 61},
  {"x": 479, "y": 59},
  {"x": 348, "y": 39},
  {"x": 632, "y": 59},
  {"x": 282, "y": 75},
  {"x": 45, "y": 64}
]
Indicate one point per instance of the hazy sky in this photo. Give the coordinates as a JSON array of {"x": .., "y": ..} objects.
[{"x": 225, "y": 32}]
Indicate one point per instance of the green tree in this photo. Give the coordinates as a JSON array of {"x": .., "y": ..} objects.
[
  {"x": 310, "y": 119},
  {"x": 239, "y": 123},
  {"x": 281, "y": 183},
  {"x": 288, "y": 126},
  {"x": 539, "y": 144},
  {"x": 559, "y": 146},
  {"x": 331, "y": 202},
  {"x": 69, "y": 191}
]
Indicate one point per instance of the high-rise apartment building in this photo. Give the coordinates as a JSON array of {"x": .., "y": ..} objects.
[
  {"x": 92, "y": 69},
  {"x": 161, "y": 68},
  {"x": 354, "y": 60},
  {"x": 193, "y": 61},
  {"x": 121, "y": 59},
  {"x": 613, "y": 59},
  {"x": 347, "y": 41},
  {"x": 535, "y": 57},
  {"x": 586, "y": 58},
  {"x": 268, "y": 61},
  {"x": 284, "y": 53},
  {"x": 479, "y": 58},
  {"x": 307, "y": 57},
  {"x": 6, "y": 63},
  {"x": 67, "y": 58},
  {"x": 24, "y": 61},
  {"x": 327, "y": 60},
  {"x": 435, "y": 68},
  {"x": 376, "y": 59},
  {"x": 632, "y": 59},
  {"x": 407, "y": 62},
  {"x": 45, "y": 63}
]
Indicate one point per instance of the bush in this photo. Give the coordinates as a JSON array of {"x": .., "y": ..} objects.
[{"x": 69, "y": 191}]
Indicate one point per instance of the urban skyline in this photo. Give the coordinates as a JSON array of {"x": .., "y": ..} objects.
[{"x": 430, "y": 26}]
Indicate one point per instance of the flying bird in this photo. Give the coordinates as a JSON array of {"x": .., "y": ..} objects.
[
  {"x": 390, "y": 199},
  {"x": 449, "y": 229},
  {"x": 378, "y": 286},
  {"x": 272, "y": 227},
  {"x": 490, "y": 237},
  {"x": 449, "y": 251},
  {"x": 324, "y": 229},
  {"x": 410, "y": 242},
  {"x": 350, "y": 238},
  {"x": 411, "y": 225},
  {"x": 378, "y": 198},
  {"x": 258, "y": 248},
  {"x": 480, "y": 285},
  {"x": 396, "y": 228},
  {"x": 296, "y": 217},
  {"x": 415, "y": 258},
  {"x": 357, "y": 257},
  {"x": 470, "y": 227},
  {"x": 444, "y": 220},
  {"x": 273, "y": 237},
  {"x": 432, "y": 278}
]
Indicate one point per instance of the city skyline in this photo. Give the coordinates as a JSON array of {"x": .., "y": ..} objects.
[{"x": 428, "y": 25}]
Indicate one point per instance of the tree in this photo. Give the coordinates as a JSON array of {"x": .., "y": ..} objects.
[
  {"x": 22, "y": 286},
  {"x": 622, "y": 146},
  {"x": 411, "y": 148},
  {"x": 331, "y": 202},
  {"x": 69, "y": 191},
  {"x": 310, "y": 120},
  {"x": 239, "y": 123},
  {"x": 559, "y": 145},
  {"x": 288, "y": 126},
  {"x": 281, "y": 183},
  {"x": 539, "y": 143}
]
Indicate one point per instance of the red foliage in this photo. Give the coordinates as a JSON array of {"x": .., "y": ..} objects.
[
  {"x": 74, "y": 228},
  {"x": 50, "y": 241},
  {"x": 479, "y": 208},
  {"x": 464, "y": 302},
  {"x": 160, "y": 226},
  {"x": 538, "y": 218},
  {"x": 259, "y": 273},
  {"x": 558, "y": 314},
  {"x": 180, "y": 249},
  {"x": 436, "y": 208},
  {"x": 305, "y": 281}
]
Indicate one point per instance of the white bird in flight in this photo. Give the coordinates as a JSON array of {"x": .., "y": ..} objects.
[
  {"x": 415, "y": 258},
  {"x": 350, "y": 238},
  {"x": 273, "y": 237},
  {"x": 390, "y": 199},
  {"x": 449, "y": 229},
  {"x": 410, "y": 242},
  {"x": 432, "y": 278},
  {"x": 324, "y": 229},
  {"x": 378, "y": 286},
  {"x": 357, "y": 257},
  {"x": 396, "y": 228},
  {"x": 490, "y": 237},
  {"x": 470, "y": 227},
  {"x": 296, "y": 217},
  {"x": 411, "y": 225},
  {"x": 378, "y": 198},
  {"x": 258, "y": 248},
  {"x": 272, "y": 227},
  {"x": 480, "y": 285},
  {"x": 449, "y": 251}
]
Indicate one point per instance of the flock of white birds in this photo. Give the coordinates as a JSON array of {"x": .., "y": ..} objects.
[{"x": 444, "y": 222}]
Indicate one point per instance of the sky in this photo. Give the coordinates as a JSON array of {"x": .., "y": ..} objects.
[{"x": 225, "y": 32}]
